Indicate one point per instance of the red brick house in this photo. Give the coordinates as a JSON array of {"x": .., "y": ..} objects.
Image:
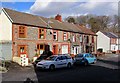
[
  {"x": 89, "y": 39},
  {"x": 30, "y": 34}
]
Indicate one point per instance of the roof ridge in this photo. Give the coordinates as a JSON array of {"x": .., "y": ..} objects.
[
  {"x": 44, "y": 21},
  {"x": 21, "y": 12},
  {"x": 113, "y": 34}
]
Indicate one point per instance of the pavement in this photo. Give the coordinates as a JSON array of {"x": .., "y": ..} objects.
[
  {"x": 110, "y": 61},
  {"x": 107, "y": 56}
]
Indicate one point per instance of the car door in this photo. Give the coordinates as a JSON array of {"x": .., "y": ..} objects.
[
  {"x": 64, "y": 61},
  {"x": 87, "y": 56},
  {"x": 92, "y": 58},
  {"x": 59, "y": 62}
]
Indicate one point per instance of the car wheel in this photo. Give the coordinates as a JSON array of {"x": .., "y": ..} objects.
[
  {"x": 86, "y": 63},
  {"x": 94, "y": 62},
  {"x": 52, "y": 67},
  {"x": 69, "y": 65}
]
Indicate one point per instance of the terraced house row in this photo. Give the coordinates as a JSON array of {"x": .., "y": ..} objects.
[{"x": 22, "y": 33}]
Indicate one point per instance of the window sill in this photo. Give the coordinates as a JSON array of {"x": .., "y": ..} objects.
[
  {"x": 55, "y": 40},
  {"x": 22, "y": 38},
  {"x": 41, "y": 39}
]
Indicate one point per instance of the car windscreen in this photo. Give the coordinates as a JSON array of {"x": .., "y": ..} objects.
[
  {"x": 79, "y": 55},
  {"x": 51, "y": 58}
]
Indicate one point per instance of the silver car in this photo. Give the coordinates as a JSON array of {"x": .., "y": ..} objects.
[{"x": 56, "y": 61}]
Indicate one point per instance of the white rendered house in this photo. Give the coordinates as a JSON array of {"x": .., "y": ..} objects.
[{"x": 107, "y": 41}]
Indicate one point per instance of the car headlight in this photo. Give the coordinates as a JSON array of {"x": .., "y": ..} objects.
[
  {"x": 40, "y": 64},
  {"x": 45, "y": 65}
]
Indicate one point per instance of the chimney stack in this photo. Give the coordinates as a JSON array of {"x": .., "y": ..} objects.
[{"x": 58, "y": 17}]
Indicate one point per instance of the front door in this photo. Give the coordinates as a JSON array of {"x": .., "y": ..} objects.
[
  {"x": 64, "y": 49},
  {"x": 22, "y": 50},
  {"x": 76, "y": 50},
  {"x": 55, "y": 49}
]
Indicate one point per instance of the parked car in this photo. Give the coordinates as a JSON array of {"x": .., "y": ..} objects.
[
  {"x": 85, "y": 58},
  {"x": 39, "y": 59},
  {"x": 56, "y": 61},
  {"x": 46, "y": 53}
]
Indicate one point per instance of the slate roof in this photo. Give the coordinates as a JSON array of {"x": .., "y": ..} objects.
[
  {"x": 34, "y": 20},
  {"x": 110, "y": 34},
  {"x": 85, "y": 30},
  {"x": 24, "y": 18},
  {"x": 55, "y": 24}
]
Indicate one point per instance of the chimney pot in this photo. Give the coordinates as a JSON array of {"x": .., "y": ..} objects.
[{"x": 58, "y": 17}]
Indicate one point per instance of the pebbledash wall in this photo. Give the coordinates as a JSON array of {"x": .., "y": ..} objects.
[{"x": 5, "y": 37}]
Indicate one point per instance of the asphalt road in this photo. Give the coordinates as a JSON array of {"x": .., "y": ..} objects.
[{"x": 106, "y": 69}]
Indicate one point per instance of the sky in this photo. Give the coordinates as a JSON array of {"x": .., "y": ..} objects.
[{"x": 50, "y": 8}]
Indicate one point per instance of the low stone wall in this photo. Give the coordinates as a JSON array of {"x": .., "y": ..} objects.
[{"x": 17, "y": 60}]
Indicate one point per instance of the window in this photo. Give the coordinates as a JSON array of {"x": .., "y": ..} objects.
[
  {"x": 64, "y": 57},
  {"x": 73, "y": 38},
  {"x": 81, "y": 38},
  {"x": 22, "y": 49},
  {"x": 64, "y": 36},
  {"x": 87, "y": 39},
  {"x": 41, "y": 33},
  {"x": 54, "y": 35},
  {"x": 40, "y": 46},
  {"x": 91, "y": 56},
  {"x": 92, "y": 39},
  {"x": 87, "y": 55},
  {"x": 68, "y": 57},
  {"x": 79, "y": 55},
  {"x": 113, "y": 41},
  {"x": 59, "y": 58},
  {"x": 22, "y": 32},
  {"x": 51, "y": 58}
]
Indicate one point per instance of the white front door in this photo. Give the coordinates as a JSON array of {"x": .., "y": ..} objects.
[
  {"x": 76, "y": 50},
  {"x": 64, "y": 49}
]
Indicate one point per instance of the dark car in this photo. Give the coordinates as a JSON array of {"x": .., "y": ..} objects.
[
  {"x": 43, "y": 56},
  {"x": 39, "y": 59}
]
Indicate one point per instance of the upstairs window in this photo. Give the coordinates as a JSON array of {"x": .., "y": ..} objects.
[
  {"x": 41, "y": 33},
  {"x": 74, "y": 38},
  {"x": 113, "y": 41},
  {"x": 22, "y": 32},
  {"x": 64, "y": 36},
  {"x": 81, "y": 38},
  {"x": 92, "y": 39},
  {"x": 87, "y": 40},
  {"x": 55, "y": 35}
]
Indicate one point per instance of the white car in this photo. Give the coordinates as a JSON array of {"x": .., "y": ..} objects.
[{"x": 56, "y": 61}]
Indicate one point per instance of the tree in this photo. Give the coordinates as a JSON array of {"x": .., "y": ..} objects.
[
  {"x": 70, "y": 20},
  {"x": 94, "y": 24},
  {"x": 99, "y": 23}
]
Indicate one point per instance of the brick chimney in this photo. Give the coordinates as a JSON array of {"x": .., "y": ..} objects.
[{"x": 58, "y": 17}]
